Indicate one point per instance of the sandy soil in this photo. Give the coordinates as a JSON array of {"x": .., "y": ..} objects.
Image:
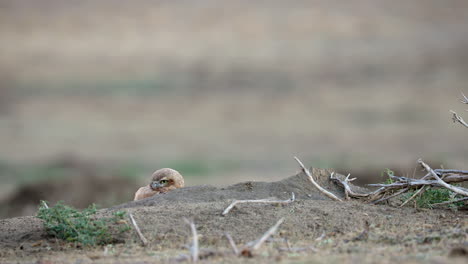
[{"x": 334, "y": 231}]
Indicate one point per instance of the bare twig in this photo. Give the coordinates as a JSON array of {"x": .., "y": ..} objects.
[
  {"x": 255, "y": 245},
  {"x": 288, "y": 245},
  {"x": 420, "y": 190},
  {"x": 232, "y": 243},
  {"x": 391, "y": 196},
  {"x": 140, "y": 235},
  {"x": 346, "y": 186},
  {"x": 453, "y": 201},
  {"x": 234, "y": 203},
  {"x": 446, "y": 171},
  {"x": 322, "y": 236},
  {"x": 459, "y": 119},
  {"x": 465, "y": 99},
  {"x": 298, "y": 249},
  {"x": 402, "y": 182},
  {"x": 452, "y": 188},
  {"x": 454, "y": 178},
  {"x": 194, "y": 248},
  {"x": 45, "y": 204},
  {"x": 307, "y": 172}
]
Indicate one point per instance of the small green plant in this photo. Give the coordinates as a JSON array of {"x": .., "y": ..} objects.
[
  {"x": 389, "y": 174},
  {"x": 83, "y": 227},
  {"x": 433, "y": 196}
]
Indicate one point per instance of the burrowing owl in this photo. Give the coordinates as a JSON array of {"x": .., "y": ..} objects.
[{"x": 162, "y": 181}]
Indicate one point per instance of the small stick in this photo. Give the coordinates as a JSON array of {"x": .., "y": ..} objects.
[
  {"x": 441, "y": 182},
  {"x": 465, "y": 99},
  {"x": 194, "y": 247},
  {"x": 258, "y": 243},
  {"x": 298, "y": 249},
  {"x": 414, "y": 195},
  {"x": 287, "y": 243},
  {"x": 140, "y": 235},
  {"x": 459, "y": 119},
  {"x": 391, "y": 196},
  {"x": 45, "y": 204},
  {"x": 234, "y": 203},
  {"x": 449, "y": 202},
  {"x": 232, "y": 243},
  {"x": 444, "y": 171},
  {"x": 307, "y": 172},
  {"x": 322, "y": 236}
]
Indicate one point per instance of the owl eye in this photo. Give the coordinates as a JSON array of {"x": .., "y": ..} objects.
[{"x": 163, "y": 181}]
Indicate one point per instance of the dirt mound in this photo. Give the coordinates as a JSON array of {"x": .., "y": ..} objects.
[
  {"x": 311, "y": 216},
  {"x": 202, "y": 203},
  {"x": 299, "y": 184}
]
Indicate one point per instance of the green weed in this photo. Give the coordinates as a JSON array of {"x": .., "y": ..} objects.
[
  {"x": 389, "y": 174},
  {"x": 433, "y": 196},
  {"x": 69, "y": 224}
]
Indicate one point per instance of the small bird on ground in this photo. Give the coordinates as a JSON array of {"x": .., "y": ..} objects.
[{"x": 162, "y": 181}]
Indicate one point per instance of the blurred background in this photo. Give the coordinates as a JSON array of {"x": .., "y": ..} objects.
[{"x": 96, "y": 95}]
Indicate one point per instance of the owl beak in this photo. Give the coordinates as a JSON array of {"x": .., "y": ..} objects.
[{"x": 155, "y": 185}]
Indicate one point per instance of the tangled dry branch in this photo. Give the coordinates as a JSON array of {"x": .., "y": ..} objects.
[{"x": 440, "y": 178}]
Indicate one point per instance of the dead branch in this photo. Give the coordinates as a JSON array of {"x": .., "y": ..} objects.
[
  {"x": 234, "y": 203},
  {"x": 459, "y": 119},
  {"x": 449, "y": 202},
  {"x": 307, "y": 172},
  {"x": 401, "y": 185},
  {"x": 140, "y": 235},
  {"x": 416, "y": 183},
  {"x": 453, "y": 178},
  {"x": 194, "y": 247},
  {"x": 255, "y": 245},
  {"x": 375, "y": 195},
  {"x": 298, "y": 249},
  {"x": 391, "y": 196},
  {"x": 451, "y": 171},
  {"x": 464, "y": 100},
  {"x": 346, "y": 186},
  {"x": 414, "y": 195},
  {"x": 452, "y": 188},
  {"x": 321, "y": 237},
  {"x": 232, "y": 243}
]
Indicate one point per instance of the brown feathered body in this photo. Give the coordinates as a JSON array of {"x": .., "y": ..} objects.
[{"x": 162, "y": 181}]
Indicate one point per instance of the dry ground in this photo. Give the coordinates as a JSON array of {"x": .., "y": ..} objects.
[{"x": 405, "y": 235}]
